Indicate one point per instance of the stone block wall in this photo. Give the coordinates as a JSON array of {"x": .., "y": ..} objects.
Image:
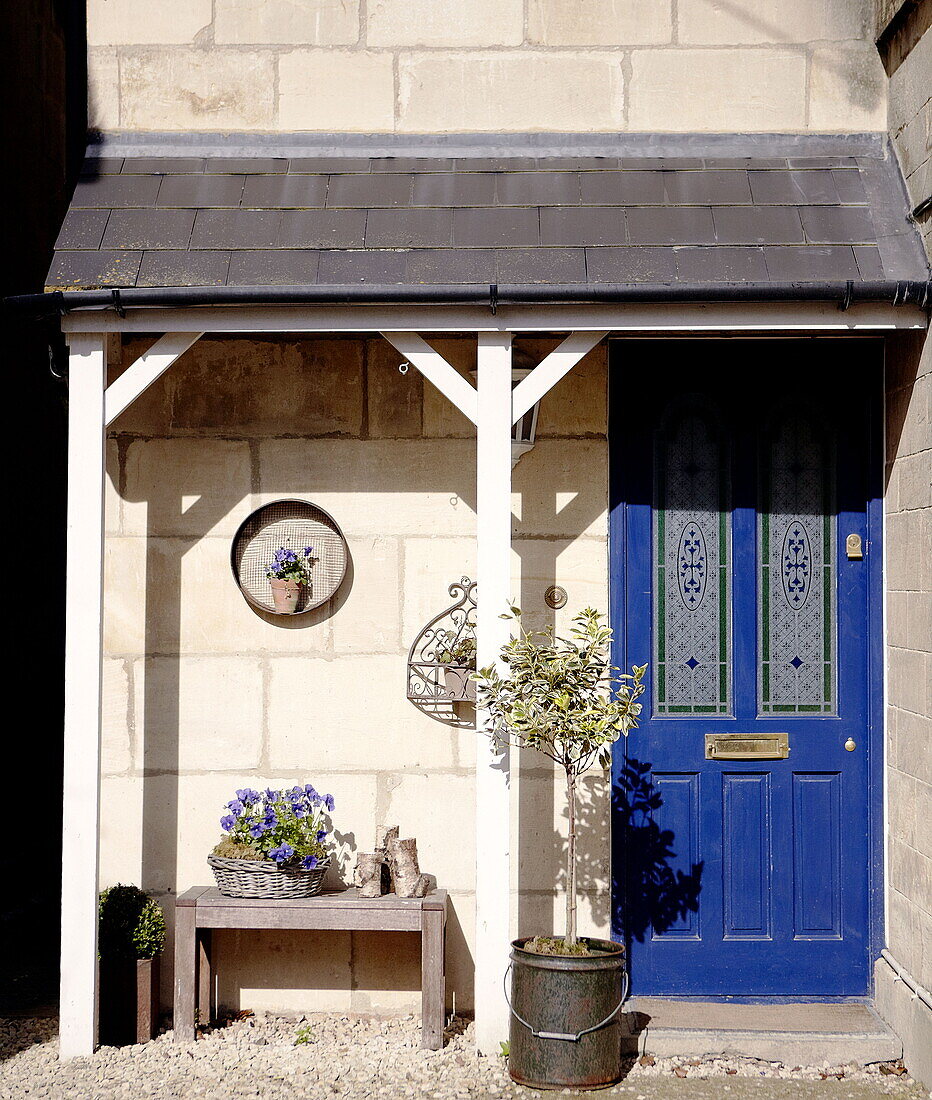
[
  {"x": 437, "y": 66},
  {"x": 204, "y": 695},
  {"x": 910, "y": 124},
  {"x": 909, "y": 694}
]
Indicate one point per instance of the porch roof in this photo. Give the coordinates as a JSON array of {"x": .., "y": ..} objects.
[{"x": 746, "y": 211}]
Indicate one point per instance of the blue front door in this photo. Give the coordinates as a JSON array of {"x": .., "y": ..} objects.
[{"x": 741, "y": 567}]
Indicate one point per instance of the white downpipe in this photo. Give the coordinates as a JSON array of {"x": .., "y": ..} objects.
[
  {"x": 493, "y": 829},
  {"x": 907, "y": 979},
  {"x": 83, "y": 651}
]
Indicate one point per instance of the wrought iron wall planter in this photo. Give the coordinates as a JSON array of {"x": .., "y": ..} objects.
[{"x": 436, "y": 686}]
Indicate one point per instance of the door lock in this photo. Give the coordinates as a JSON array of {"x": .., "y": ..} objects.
[{"x": 854, "y": 548}]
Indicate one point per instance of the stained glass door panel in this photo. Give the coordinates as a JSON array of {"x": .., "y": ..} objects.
[{"x": 729, "y": 519}]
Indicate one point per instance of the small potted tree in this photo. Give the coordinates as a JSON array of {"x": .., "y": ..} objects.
[
  {"x": 131, "y": 936},
  {"x": 562, "y": 697},
  {"x": 457, "y": 654}
]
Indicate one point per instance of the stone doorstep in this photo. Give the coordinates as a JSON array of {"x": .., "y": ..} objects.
[{"x": 794, "y": 1034}]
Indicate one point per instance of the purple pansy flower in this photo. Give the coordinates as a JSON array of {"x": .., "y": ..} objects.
[
  {"x": 258, "y": 830},
  {"x": 328, "y": 802},
  {"x": 227, "y": 822},
  {"x": 309, "y": 863},
  {"x": 321, "y": 834},
  {"x": 282, "y": 852}
]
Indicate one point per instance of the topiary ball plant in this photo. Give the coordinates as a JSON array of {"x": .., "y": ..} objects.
[{"x": 132, "y": 925}]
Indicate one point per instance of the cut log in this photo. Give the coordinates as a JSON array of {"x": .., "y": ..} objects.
[
  {"x": 409, "y": 882},
  {"x": 384, "y": 834},
  {"x": 369, "y": 868}
]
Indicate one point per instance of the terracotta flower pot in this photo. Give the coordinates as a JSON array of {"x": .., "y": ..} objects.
[{"x": 287, "y": 595}]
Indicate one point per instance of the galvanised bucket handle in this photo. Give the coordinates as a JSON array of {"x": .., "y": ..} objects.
[{"x": 570, "y": 1038}]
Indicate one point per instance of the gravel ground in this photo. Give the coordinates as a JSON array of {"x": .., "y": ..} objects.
[{"x": 353, "y": 1057}]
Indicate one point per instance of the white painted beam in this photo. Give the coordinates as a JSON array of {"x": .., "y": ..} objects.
[
  {"x": 550, "y": 370},
  {"x": 152, "y": 364},
  {"x": 493, "y": 830},
  {"x": 87, "y": 379},
  {"x": 435, "y": 369},
  {"x": 678, "y": 319}
]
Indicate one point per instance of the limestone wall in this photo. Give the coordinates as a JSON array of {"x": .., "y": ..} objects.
[
  {"x": 909, "y": 691},
  {"x": 910, "y": 123},
  {"x": 434, "y": 66},
  {"x": 204, "y": 695}
]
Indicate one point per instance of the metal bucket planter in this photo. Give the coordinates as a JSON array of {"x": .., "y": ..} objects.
[{"x": 565, "y": 1017}]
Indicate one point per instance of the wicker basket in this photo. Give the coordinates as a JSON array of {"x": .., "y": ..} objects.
[{"x": 259, "y": 878}]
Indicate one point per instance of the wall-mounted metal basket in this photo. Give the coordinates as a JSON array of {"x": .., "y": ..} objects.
[
  {"x": 293, "y": 524},
  {"x": 435, "y": 686}
]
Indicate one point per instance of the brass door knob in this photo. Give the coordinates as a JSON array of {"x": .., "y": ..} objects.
[{"x": 850, "y": 744}]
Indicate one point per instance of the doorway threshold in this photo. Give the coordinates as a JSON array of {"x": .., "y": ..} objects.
[{"x": 803, "y": 1034}]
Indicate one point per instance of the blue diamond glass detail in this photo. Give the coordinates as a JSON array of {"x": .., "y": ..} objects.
[
  {"x": 796, "y": 662},
  {"x": 692, "y": 662}
]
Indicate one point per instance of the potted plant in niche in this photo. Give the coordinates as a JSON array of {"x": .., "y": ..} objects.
[
  {"x": 131, "y": 935},
  {"x": 457, "y": 653},
  {"x": 275, "y": 844},
  {"x": 562, "y": 697},
  {"x": 290, "y": 577}
]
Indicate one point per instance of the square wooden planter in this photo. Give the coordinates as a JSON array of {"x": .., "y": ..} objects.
[{"x": 129, "y": 1001}]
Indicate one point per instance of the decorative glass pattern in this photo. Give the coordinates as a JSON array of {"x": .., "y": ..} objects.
[
  {"x": 797, "y": 627},
  {"x": 692, "y": 568}
]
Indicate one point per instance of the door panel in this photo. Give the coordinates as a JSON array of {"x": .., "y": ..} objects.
[{"x": 730, "y": 579}]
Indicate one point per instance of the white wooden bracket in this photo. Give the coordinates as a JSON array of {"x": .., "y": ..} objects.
[
  {"x": 437, "y": 370},
  {"x": 549, "y": 371},
  {"x": 138, "y": 377}
]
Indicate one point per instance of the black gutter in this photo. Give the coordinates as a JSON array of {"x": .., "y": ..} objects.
[{"x": 844, "y": 294}]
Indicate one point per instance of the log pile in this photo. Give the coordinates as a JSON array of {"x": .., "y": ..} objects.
[{"x": 392, "y": 868}]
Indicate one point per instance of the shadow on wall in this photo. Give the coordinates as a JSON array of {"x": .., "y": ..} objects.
[
  {"x": 181, "y": 518},
  {"x": 656, "y": 893}
]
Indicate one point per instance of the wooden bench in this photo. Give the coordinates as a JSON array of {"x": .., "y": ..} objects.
[{"x": 202, "y": 908}]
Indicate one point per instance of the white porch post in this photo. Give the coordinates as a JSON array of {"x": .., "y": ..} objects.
[
  {"x": 493, "y": 826},
  {"x": 83, "y": 646}
]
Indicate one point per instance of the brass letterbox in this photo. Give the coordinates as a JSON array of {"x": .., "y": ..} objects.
[{"x": 747, "y": 746}]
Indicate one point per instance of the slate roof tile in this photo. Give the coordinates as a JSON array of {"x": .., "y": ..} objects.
[
  {"x": 285, "y": 191},
  {"x": 720, "y": 265},
  {"x": 181, "y": 267},
  {"x": 409, "y": 228},
  {"x": 676, "y": 225},
  {"x": 323, "y": 229},
  {"x": 837, "y": 224},
  {"x": 377, "y": 266},
  {"x": 582, "y": 226},
  {"x": 630, "y": 264},
  {"x": 82, "y": 229},
  {"x": 202, "y": 220},
  {"x": 201, "y": 191},
  {"x": 149, "y": 229},
  {"x": 374, "y": 190},
  {"x": 491, "y": 227},
  {"x": 282, "y": 267},
  {"x": 236, "y": 229},
  {"x": 757, "y": 225}
]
